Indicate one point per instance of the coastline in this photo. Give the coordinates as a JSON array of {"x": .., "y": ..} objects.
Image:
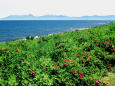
[{"x": 45, "y": 35}]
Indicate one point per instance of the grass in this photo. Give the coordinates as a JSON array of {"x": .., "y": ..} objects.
[
  {"x": 110, "y": 78},
  {"x": 79, "y": 58}
]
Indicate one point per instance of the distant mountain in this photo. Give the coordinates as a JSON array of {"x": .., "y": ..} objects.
[{"x": 57, "y": 17}]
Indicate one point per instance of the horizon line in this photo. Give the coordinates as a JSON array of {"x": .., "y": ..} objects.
[{"x": 54, "y": 15}]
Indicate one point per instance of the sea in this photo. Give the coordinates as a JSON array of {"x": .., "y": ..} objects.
[{"x": 20, "y": 29}]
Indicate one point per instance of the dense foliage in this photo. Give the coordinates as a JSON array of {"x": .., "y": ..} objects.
[{"x": 76, "y": 58}]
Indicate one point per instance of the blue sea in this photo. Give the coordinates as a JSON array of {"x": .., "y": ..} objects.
[{"x": 18, "y": 29}]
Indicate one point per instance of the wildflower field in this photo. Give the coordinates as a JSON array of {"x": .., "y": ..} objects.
[{"x": 76, "y": 58}]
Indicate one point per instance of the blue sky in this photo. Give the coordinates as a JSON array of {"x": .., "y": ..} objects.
[{"x": 57, "y": 7}]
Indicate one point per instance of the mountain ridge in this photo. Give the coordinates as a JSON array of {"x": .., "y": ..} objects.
[{"x": 57, "y": 17}]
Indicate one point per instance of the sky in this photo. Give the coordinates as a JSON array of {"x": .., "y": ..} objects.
[{"x": 74, "y": 8}]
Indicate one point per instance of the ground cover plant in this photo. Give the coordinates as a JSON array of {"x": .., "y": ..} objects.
[{"x": 76, "y": 58}]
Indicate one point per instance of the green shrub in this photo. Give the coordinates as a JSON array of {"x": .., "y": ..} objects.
[
  {"x": 110, "y": 59},
  {"x": 29, "y": 37},
  {"x": 78, "y": 58}
]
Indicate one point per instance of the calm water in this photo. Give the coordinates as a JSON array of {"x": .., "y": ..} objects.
[{"x": 11, "y": 30}]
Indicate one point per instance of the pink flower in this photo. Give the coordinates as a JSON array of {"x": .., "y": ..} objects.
[
  {"x": 74, "y": 72},
  {"x": 105, "y": 42},
  {"x": 110, "y": 43},
  {"x": 65, "y": 64},
  {"x": 59, "y": 65},
  {"x": 7, "y": 50},
  {"x": 95, "y": 40},
  {"x": 81, "y": 74},
  {"x": 88, "y": 55},
  {"x": 96, "y": 44},
  {"x": 83, "y": 59},
  {"x": 60, "y": 51},
  {"x": 66, "y": 60},
  {"x": 108, "y": 67},
  {"x": 17, "y": 50},
  {"x": 56, "y": 66},
  {"x": 88, "y": 59},
  {"x": 46, "y": 68},
  {"x": 107, "y": 84},
  {"x": 96, "y": 82},
  {"x": 80, "y": 77},
  {"x": 100, "y": 41},
  {"x": 70, "y": 60},
  {"x": 100, "y": 81},
  {"x": 32, "y": 72}
]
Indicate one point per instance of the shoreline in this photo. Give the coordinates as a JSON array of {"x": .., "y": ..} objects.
[{"x": 45, "y": 35}]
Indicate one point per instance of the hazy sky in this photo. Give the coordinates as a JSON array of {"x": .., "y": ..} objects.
[{"x": 57, "y": 7}]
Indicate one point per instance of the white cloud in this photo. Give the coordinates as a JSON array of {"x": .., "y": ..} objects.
[{"x": 59, "y": 7}]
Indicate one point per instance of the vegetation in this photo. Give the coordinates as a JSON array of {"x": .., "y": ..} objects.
[
  {"x": 110, "y": 78},
  {"x": 77, "y": 58}
]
